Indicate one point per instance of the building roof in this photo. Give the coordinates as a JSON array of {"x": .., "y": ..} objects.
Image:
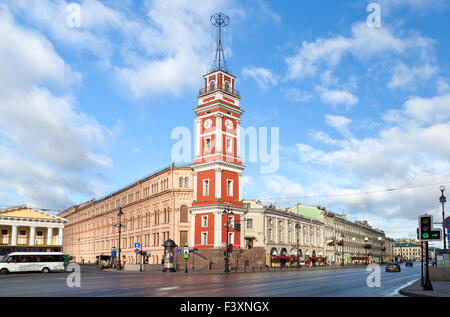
[
  {"x": 25, "y": 211},
  {"x": 406, "y": 245},
  {"x": 312, "y": 212}
]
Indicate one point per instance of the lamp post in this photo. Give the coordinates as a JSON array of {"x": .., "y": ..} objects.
[
  {"x": 443, "y": 200},
  {"x": 228, "y": 212},
  {"x": 120, "y": 225}
]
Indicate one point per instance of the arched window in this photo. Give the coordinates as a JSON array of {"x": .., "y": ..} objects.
[
  {"x": 180, "y": 182},
  {"x": 212, "y": 85},
  {"x": 186, "y": 182},
  {"x": 183, "y": 213},
  {"x": 227, "y": 86}
]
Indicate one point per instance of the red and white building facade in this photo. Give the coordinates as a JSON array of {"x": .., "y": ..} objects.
[{"x": 217, "y": 165}]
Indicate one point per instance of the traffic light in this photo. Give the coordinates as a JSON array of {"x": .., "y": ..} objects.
[
  {"x": 426, "y": 230},
  {"x": 237, "y": 227},
  {"x": 425, "y": 227}
]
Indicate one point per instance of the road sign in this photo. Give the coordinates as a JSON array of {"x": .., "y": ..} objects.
[
  {"x": 447, "y": 223},
  {"x": 113, "y": 253},
  {"x": 137, "y": 251},
  {"x": 149, "y": 254},
  {"x": 137, "y": 245}
]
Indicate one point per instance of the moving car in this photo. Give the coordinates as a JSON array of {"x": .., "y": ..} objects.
[
  {"x": 392, "y": 267},
  {"x": 409, "y": 263}
]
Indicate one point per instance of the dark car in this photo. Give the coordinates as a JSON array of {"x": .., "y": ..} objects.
[
  {"x": 409, "y": 263},
  {"x": 392, "y": 267}
]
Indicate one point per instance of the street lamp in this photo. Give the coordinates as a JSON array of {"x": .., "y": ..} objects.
[
  {"x": 228, "y": 212},
  {"x": 120, "y": 225},
  {"x": 443, "y": 200}
]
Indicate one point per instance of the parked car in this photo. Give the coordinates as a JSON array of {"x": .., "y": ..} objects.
[
  {"x": 409, "y": 263},
  {"x": 392, "y": 267}
]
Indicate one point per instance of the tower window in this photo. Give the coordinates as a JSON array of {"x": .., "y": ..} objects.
[
  {"x": 204, "y": 238},
  {"x": 229, "y": 187},
  {"x": 229, "y": 145},
  {"x": 227, "y": 86},
  {"x": 206, "y": 187},
  {"x": 186, "y": 182},
  {"x": 212, "y": 85},
  {"x": 204, "y": 221},
  {"x": 208, "y": 145}
]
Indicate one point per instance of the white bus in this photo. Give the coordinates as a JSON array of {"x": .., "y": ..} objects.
[{"x": 32, "y": 262}]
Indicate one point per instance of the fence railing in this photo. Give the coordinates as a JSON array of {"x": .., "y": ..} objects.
[{"x": 212, "y": 88}]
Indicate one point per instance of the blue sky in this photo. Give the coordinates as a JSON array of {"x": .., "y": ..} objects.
[{"x": 86, "y": 110}]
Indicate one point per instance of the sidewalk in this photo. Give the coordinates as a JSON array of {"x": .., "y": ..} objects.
[
  {"x": 248, "y": 270},
  {"x": 440, "y": 289}
]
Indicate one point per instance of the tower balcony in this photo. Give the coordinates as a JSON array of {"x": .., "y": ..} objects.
[{"x": 224, "y": 88}]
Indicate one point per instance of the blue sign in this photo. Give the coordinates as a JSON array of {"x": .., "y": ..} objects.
[
  {"x": 179, "y": 251},
  {"x": 137, "y": 251},
  {"x": 137, "y": 245},
  {"x": 113, "y": 253}
]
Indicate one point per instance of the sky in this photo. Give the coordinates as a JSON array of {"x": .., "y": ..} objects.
[{"x": 354, "y": 109}]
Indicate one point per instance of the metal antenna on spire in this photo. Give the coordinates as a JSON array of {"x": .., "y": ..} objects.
[{"x": 219, "y": 20}]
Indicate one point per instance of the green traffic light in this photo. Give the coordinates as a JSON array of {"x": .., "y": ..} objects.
[{"x": 425, "y": 235}]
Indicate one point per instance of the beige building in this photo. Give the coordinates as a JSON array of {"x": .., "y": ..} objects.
[
  {"x": 155, "y": 209},
  {"x": 408, "y": 251},
  {"x": 25, "y": 229},
  {"x": 353, "y": 242},
  {"x": 283, "y": 234}
]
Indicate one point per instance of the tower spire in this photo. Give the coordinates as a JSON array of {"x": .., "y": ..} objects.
[{"x": 219, "y": 20}]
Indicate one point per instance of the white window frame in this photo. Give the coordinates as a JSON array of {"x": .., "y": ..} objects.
[
  {"x": 204, "y": 238},
  {"x": 206, "y": 187},
  {"x": 206, "y": 149},
  {"x": 204, "y": 219},
  {"x": 229, "y": 145},
  {"x": 229, "y": 188}
]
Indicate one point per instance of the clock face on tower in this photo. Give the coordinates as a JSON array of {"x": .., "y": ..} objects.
[
  {"x": 229, "y": 124},
  {"x": 207, "y": 124}
]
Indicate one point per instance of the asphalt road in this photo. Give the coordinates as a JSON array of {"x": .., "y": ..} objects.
[{"x": 337, "y": 282}]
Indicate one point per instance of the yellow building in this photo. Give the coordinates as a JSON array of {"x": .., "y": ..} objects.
[{"x": 25, "y": 228}]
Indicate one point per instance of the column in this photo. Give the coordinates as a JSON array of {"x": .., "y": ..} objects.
[
  {"x": 219, "y": 133},
  {"x": 197, "y": 137},
  {"x": 218, "y": 183},
  {"x": 195, "y": 186},
  {"x": 60, "y": 236},
  {"x": 238, "y": 138},
  {"x": 32, "y": 235},
  {"x": 192, "y": 242},
  {"x": 240, "y": 186},
  {"x": 49, "y": 236},
  {"x": 14, "y": 235},
  {"x": 276, "y": 230},
  {"x": 218, "y": 230},
  {"x": 241, "y": 234}
]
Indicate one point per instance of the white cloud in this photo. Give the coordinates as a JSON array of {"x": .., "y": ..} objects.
[
  {"x": 297, "y": 95},
  {"x": 365, "y": 44},
  {"x": 340, "y": 123},
  {"x": 339, "y": 97},
  {"x": 48, "y": 147},
  {"x": 409, "y": 77},
  {"x": 164, "y": 52},
  {"x": 411, "y": 149},
  {"x": 263, "y": 76}
]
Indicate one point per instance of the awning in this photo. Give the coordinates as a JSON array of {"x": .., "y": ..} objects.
[
  {"x": 317, "y": 257},
  {"x": 284, "y": 257},
  {"x": 360, "y": 257}
]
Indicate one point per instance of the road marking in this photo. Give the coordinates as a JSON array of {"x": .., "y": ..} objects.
[{"x": 397, "y": 291}]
